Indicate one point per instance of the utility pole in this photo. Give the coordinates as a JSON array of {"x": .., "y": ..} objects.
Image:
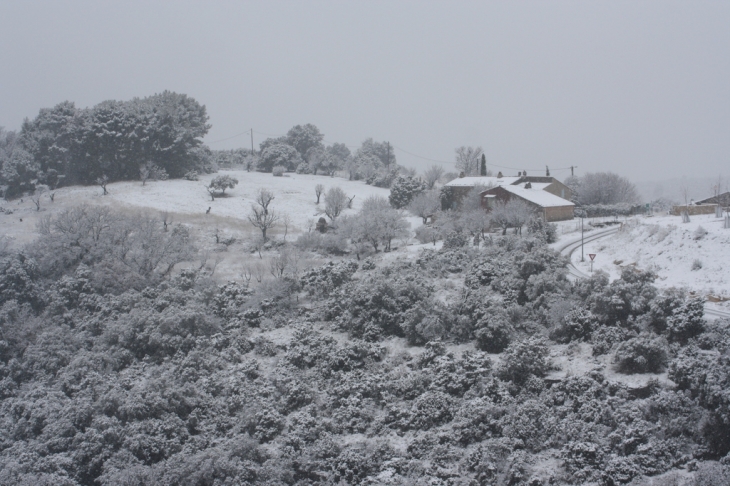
[
  {"x": 547, "y": 171},
  {"x": 581, "y": 240},
  {"x": 571, "y": 170},
  {"x": 252, "y": 152}
]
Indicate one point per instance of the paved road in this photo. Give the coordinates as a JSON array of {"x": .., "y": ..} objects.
[{"x": 569, "y": 247}]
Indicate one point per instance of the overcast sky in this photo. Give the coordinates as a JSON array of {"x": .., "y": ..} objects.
[{"x": 638, "y": 88}]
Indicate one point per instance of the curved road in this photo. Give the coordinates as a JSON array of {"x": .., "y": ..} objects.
[{"x": 568, "y": 248}]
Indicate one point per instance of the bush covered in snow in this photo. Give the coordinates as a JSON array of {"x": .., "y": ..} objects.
[{"x": 114, "y": 371}]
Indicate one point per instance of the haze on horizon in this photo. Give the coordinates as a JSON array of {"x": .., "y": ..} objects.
[{"x": 638, "y": 88}]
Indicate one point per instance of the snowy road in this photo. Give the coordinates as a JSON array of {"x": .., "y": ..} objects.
[{"x": 567, "y": 249}]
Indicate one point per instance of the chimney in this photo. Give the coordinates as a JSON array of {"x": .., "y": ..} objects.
[{"x": 528, "y": 186}]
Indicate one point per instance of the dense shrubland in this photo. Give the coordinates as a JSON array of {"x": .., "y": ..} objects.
[{"x": 116, "y": 367}]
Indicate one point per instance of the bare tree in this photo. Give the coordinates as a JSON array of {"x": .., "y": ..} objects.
[
  {"x": 716, "y": 191},
  {"x": 246, "y": 275},
  {"x": 287, "y": 261},
  {"x": 432, "y": 175},
  {"x": 102, "y": 182},
  {"x": 318, "y": 190},
  {"x": 286, "y": 221},
  {"x": 605, "y": 188},
  {"x": 40, "y": 190},
  {"x": 474, "y": 222},
  {"x": 349, "y": 202},
  {"x": 425, "y": 205},
  {"x": 166, "y": 219},
  {"x": 512, "y": 214},
  {"x": 335, "y": 201},
  {"x": 377, "y": 223},
  {"x": 151, "y": 171},
  {"x": 264, "y": 198},
  {"x": 684, "y": 189},
  {"x": 262, "y": 219},
  {"x": 256, "y": 271},
  {"x": 468, "y": 159}
]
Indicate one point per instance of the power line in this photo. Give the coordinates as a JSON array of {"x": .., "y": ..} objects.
[
  {"x": 229, "y": 138},
  {"x": 395, "y": 147}
]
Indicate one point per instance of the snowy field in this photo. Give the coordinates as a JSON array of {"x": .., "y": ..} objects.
[
  {"x": 661, "y": 243},
  {"x": 189, "y": 200},
  {"x": 693, "y": 256},
  {"x": 186, "y": 202}
]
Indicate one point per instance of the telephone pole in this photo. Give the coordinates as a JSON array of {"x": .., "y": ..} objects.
[
  {"x": 252, "y": 152},
  {"x": 571, "y": 170}
]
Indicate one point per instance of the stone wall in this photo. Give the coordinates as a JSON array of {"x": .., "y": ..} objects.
[
  {"x": 558, "y": 213},
  {"x": 694, "y": 210}
]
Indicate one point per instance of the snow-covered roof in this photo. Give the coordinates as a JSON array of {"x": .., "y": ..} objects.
[
  {"x": 538, "y": 196},
  {"x": 481, "y": 181}
]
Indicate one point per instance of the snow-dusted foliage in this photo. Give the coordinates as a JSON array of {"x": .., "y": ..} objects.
[
  {"x": 115, "y": 138},
  {"x": 279, "y": 154},
  {"x": 403, "y": 190},
  {"x": 448, "y": 368}
]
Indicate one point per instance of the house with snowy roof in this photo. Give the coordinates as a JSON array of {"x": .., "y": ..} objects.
[
  {"x": 722, "y": 199},
  {"x": 546, "y": 204},
  {"x": 554, "y": 205}
]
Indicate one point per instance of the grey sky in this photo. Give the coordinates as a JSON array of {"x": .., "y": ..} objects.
[{"x": 639, "y": 88}]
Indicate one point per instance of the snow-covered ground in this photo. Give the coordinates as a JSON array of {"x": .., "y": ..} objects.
[
  {"x": 665, "y": 245},
  {"x": 660, "y": 243},
  {"x": 186, "y": 202},
  {"x": 294, "y": 196}
]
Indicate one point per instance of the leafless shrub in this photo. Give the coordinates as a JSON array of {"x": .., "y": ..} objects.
[{"x": 335, "y": 201}]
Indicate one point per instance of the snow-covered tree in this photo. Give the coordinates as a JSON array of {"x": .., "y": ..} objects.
[
  {"x": 304, "y": 138},
  {"x": 279, "y": 154},
  {"x": 220, "y": 183},
  {"x": 403, "y": 190}
]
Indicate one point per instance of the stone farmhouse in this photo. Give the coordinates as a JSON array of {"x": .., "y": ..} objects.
[
  {"x": 549, "y": 206},
  {"x": 546, "y": 195}
]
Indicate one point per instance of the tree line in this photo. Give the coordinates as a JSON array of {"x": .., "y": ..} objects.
[{"x": 67, "y": 145}]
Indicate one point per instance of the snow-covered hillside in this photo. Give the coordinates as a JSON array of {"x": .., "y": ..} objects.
[
  {"x": 693, "y": 256},
  {"x": 294, "y": 196}
]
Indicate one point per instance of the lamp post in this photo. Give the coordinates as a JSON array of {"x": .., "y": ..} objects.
[{"x": 580, "y": 212}]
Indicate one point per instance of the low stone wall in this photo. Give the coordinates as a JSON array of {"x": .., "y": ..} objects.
[
  {"x": 560, "y": 213},
  {"x": 694, "y": 210}
]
